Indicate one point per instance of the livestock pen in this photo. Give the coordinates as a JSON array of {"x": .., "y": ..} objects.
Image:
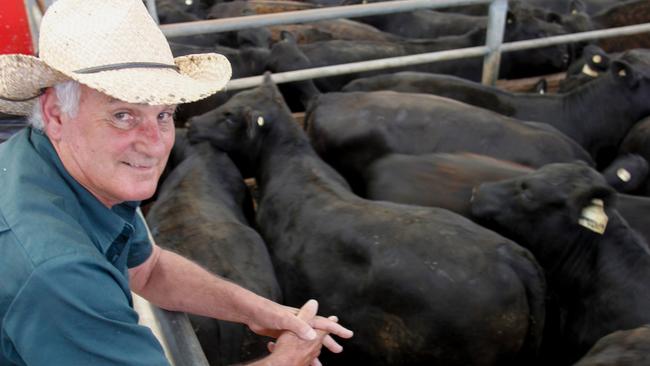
[
  {"x": 174, "y": 329},
  {"x": 491, "y": 50}
]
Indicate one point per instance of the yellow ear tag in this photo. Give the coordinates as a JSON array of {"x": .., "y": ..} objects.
[
  {"x": 597, "y": 59},
  {"x": 593, "y": 217},
  {"x": 622, "y": 72},
  {"x": 260, "y": 121},
  {"x": 589, "y": 71},
  {"x": 624, "y": 175}
]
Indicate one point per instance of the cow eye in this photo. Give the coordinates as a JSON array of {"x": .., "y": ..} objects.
[
  {"x": 524, "y": 191},
  {"x": 229, "y": 118}
]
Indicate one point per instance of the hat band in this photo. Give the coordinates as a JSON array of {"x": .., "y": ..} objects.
[
  {"x": 110, "y": 67},
  {"x": 126, "y": 65},
  {"x": 24, "y": 99}
]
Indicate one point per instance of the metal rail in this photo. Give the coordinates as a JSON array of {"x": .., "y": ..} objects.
[
  {"x": 494, "y": 38},
  {"x": 310, "y": 15},
  {"x": 151, "y": 7},
  {"x": 284, "y": 77},
  {"x": 173, "y": 329}
]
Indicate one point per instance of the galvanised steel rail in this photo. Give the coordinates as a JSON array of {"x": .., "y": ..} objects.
[
  {"x": 495, "y": 28},
  {"x": 379, "y": 64},
  {"x": 303, "y": 16}
]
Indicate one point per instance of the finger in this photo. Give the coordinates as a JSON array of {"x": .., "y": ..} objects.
[
  {"x": 332, "y": 345},
  {"x": 331, "y": 327},
  {"x": 316, "y": 362},
  {"x": 270, "y": 346},
  {"x": 309, "y": 310},
  {"x": 300, "y": 324}
]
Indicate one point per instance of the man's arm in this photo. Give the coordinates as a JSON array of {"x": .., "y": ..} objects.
[{"x": 175, "y": 283}]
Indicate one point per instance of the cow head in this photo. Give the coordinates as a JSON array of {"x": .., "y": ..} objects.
[
  {"x": 632, "y": 70},
  {"x": 240, "y": 126},
  {"x": 545, "y": 210},
  {"x": 524, "y": 22}
]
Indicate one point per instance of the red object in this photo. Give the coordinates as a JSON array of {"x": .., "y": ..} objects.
[{"x": 15, "y": 34}]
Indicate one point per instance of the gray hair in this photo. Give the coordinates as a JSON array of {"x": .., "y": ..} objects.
[{"x": 68, "y": 94}]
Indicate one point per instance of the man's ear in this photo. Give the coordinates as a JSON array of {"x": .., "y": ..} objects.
[{"x": 51, "y": 114}]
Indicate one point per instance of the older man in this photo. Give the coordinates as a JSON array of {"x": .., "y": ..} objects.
[{"x": 101, "y": 98}]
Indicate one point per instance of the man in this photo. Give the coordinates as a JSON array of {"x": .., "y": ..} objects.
[{"x": 101, "y": 98}]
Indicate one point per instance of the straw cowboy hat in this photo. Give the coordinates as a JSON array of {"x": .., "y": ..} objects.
[{"x": 113, "y": 46}]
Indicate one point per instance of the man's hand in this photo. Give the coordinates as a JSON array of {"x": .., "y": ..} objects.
[
  {"x": 292, "y": 350},
  {"x": 276, "y": 318}
]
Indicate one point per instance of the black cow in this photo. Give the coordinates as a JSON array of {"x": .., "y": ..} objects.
[
  {"x": 201, "y": 212},
  {"x": 636, "y": 210},
  {"x": 622, "y": 14},
  {"x": 350, "y": 130},
  {"x": 513, "y": 64},
  {"x": 621, "y": 348},
  {"x": 597, "y": 268},
  {"x": 447, "y": 181},
  {"x": 435, "y": 180},
  {"x": 563, "y": 6},
  {"x": 433, "y": 24},
  {"x": 419, "y": 286},
  {"x": 593, "y": 63},
  {"x": 628, "y": 173},
  {"x": 637, "y": 141},
  {"x": 597, "y": 115},
  {"x": 326, "y": 30},
  {"x": 245, "y": 61}
]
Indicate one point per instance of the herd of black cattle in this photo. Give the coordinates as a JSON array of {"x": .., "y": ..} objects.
[{"x": 444, "y": 221}]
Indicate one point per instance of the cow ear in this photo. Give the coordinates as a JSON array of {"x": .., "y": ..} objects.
[
  {"x": 577, "y": 6},
  {"x": 541, "y": 87},
  {"x": 590, "y": 207},
  {"x": 625, "y": 72},
  {"x": 288, "y": 36},
  {"x": 270, "y": 89},
  {"x": 598, "y": 59}
]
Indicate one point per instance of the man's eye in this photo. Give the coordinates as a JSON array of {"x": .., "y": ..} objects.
[
  {"x": 123, "y": 120},
  {"x": 165, "y": 120},
  {"x": 166, "y": 117}
]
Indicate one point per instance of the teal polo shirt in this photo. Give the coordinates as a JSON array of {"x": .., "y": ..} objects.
[{"x": 64, "y": 259}]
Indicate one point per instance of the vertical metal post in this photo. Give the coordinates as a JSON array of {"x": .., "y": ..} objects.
[
  {"x": 173, "y": 329},
  {"x": 151, "y": 6},
  {"x": 493, "y": 41}
]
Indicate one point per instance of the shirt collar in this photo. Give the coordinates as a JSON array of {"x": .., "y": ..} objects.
[{"x": 103, "y": 224}]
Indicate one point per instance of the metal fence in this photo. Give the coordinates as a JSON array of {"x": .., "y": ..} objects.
[
  {"x": 173, "y": 329},
  {"x": 491, "y": 50}
]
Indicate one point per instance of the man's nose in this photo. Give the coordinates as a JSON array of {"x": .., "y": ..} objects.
[{"x": 150, "y": 134}]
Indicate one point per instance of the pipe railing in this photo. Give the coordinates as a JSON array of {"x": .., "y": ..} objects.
[
  {"x": 311, "y": 73},
  {"x": 494, "y": 32}
]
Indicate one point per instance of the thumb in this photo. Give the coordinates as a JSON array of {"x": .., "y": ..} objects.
[{"x": 300, "y": 326}]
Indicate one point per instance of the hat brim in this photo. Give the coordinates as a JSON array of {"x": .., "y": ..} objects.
[
  {"x": 21, "y": 79},
  {"x": 198, "y": 77}
]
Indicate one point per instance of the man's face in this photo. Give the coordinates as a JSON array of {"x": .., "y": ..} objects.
[{"x": 115, "y": 149}]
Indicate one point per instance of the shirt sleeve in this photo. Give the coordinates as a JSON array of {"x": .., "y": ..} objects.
[
  {"x": 141, "y": 247},
  {"x": 74, "y": 310}
]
